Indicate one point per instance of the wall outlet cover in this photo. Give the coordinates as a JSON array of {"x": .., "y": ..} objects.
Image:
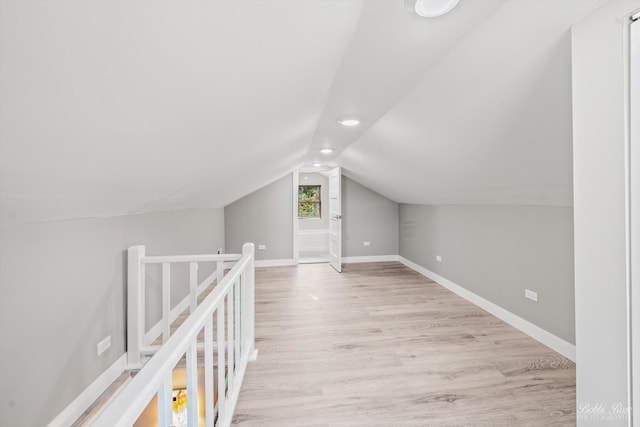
[
  {"x": 366, "y": 243},
  {"x": 262, "y": 247},
  {"x": 533, "y": 296},
  {"x": 438, "y": 258}
]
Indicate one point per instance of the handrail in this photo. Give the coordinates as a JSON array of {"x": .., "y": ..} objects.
[
  {"x": 189, "y": 258},
  {"x": 155, "y": 376}
]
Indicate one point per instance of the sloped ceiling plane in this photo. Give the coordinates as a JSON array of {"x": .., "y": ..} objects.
[{"x": 111, "y": 108}]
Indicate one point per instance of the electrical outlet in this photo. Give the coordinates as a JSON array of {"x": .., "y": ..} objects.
[
  {"x": 262, "y": 247},
  {"x": 533, "y": 296},
  {"x": 438, "y": 258},
  {"x": 104, "y": 345},
  {"x": 367, "y": 243}
]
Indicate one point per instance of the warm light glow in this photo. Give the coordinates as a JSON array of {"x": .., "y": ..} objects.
[
  {"x": 180, "y": 408},
  {"x": 349, "y": 121},
  {"x": 326, "y": 151},
  {"x": 433, "y": 8}
]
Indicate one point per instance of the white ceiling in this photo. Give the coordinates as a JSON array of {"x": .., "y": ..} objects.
[
  {"x": 109, "y": 108},
  {"x": 489, "y": 123}
]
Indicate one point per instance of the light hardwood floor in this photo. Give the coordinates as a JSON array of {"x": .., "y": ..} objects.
[{"x": 380, "y": 345}]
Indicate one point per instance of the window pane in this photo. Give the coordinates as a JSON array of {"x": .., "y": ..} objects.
[
  {"x": 309, "y": 193},
  {"x": 309, "y": 210}
]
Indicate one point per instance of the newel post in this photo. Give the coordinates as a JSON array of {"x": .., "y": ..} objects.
[
  {"x": 135, "y": 305},
  {"x": 248, "y": 249}
]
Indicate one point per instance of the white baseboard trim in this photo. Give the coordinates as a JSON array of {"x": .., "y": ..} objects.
[
  {"x": 81, "y": 403},
  {"x": 275, "y": 263},
  {"x": 313, "y": 260},
  {"x": 555, "y": 343},
  {"x": 345, "y": 260},
  {"x": 372, "y": 258}
]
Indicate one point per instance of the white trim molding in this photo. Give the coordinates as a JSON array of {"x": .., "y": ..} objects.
[
  {"x": 313, "y": 260},
  {"x": 295, "y": 179},
  {"x": 372, "y": 258},
  {"x": 555, "y": 343},
  {"x": 84, "y": 400},
  {"x": 347, "y": 260},
  {"x": 312, "y": 231},
  {"x": 275, "y": 263}
]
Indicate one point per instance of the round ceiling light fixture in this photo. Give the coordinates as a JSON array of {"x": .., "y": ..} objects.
[
  {"x": 433, "y": 8},
  {"x": 349, "y": 121},
  {"x": 326, "y": 151}
]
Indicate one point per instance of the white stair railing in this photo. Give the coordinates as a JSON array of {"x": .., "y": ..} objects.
[
  {"x": 230, "y": 307},
  {"x": 139, "y": 340}
]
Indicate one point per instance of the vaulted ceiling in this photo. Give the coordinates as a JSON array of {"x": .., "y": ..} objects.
[{"x": 116, "y": 107}]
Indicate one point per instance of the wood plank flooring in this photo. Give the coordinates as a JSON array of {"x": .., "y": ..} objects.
[{"x": 380, "y": 345}]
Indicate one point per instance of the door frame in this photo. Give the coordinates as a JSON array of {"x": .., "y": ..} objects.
[
  {"x": 633, "y": 211},
  {"x": 335, "y": 217}
]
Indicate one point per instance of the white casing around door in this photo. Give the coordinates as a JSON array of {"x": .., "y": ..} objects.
[
  {"x": 335, "y": 219},
  {"x": 634, "y": 215}
]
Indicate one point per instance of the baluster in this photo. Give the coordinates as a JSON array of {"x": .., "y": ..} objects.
[
  {"x": 221, "y": 365},
  {"x": 208, "y": 372},
  {"x": 230, "y": 339},
  {"x": 219, "y": 272},
  {"x": 135, "y": 305},
  {"x": 249, "y": 316},
  {"x": 165, "y": 402},
  {"x": 166, "y": 301},
  {"x": 237, "y": 306},
  {"x": 193, "y": 286},
  {"x": 243, "y": 313},
  {"x": 192, "y": 383}
]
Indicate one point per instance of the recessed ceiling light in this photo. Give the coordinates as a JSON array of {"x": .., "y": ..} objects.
[
  {"x": 433, "y": 8},
  {"x": 326, "y": 151},
  {"x": 349, "y": 121},
  {"x": 317, "y": 165}
]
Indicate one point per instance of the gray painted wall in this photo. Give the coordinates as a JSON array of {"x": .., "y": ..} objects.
[
  {"x": 367, "y": 216},
  {"x": 599, "y": 202},
  {"x": 321, "y": 223},
  {"x": 498, "y": 251},
  {"x": 174, "y": 233},
  {"x": 62, "y": 287},
  {"x": 263, "y": 217}
]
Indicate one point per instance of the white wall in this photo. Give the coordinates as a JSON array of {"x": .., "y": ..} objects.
[
  {"x": 62, "y": 290},
  {"x": 599, "y": 209}
]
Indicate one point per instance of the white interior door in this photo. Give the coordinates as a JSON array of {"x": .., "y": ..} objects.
[
  {"x": 335, "y": 219},
  {"x": 634, "y": 152}
]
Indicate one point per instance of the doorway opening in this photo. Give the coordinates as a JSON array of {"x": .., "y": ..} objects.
[
  {"x": 317, "y": 217},
  {"x": 312, "y": 216}
]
